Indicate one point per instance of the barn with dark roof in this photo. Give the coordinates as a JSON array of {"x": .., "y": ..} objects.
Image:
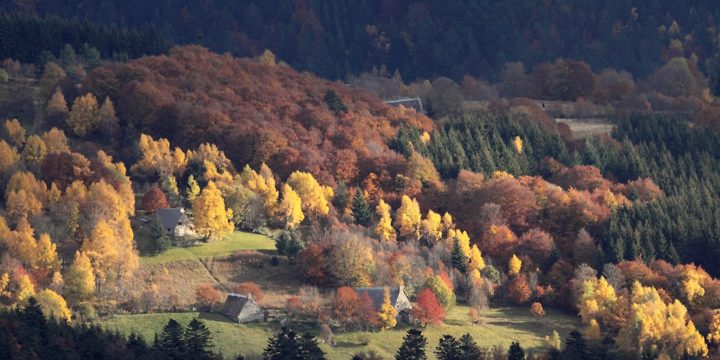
[
  {"x": 242, "y": 308},
  {"x": 175, "y": 222}
]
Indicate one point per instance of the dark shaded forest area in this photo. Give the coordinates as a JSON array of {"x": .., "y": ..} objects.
[{"x": 422, "y": 39}]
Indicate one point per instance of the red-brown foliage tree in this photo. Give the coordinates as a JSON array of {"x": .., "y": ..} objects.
[
  {"x": 313, "y": 262},
  {"x": 367, "y": 313},
  {"x": 154, "y": 199},
  {"x": 536, "y": 309},
  {"x": 249, "y": 288},
  {"x": 207, "y": 295},
  {"x": 517, "y": 201},
  {"x": 345, "y": 306},
  {"x": 428, "y": 309},
  {"x": 562, "y": 80},
  {"x": 499, "y": 242},
  {"x": 519, "y": 290},
  {"x": 536, "y": 244},
  {"x": 65, "y": 167},
  {"x": 581, "y": 177},
  {"x": 193, "y": 96}
]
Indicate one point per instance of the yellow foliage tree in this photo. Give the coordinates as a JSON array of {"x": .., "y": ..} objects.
[
  {"x": 713, "y": 336},
  {"x": 53, "y": 305},
  {"x": 476, "y": 259},
  {"x": 57, "y": 106},
  {"x": 55, "y": 141},
  {"x": 387, "y": 312},
  {"x": 57, "y": 283},
  {"x": 211, "y": 218},
  {"x": 110, "y": 245},
  {"x": 24, "y": 289},
  {"x": 21, "y": 244},
  {"x": 193, "y": 189},
  {"x": 21, "y": 204},
  {"x": 514, "y": 265},
  {"x": 447, "y": 221},
  {"x": 291, "y": 207},
  {"x": 47, "y": 257},
  {"x": 100, "y": 248},
  {"x": 263, "y": 184},
  {"x": 15, "y": 132},
  {"x": 83, "y": 115},
  {"x": 463, "y": 239},
  {"x": 313, "y": 195},
  {"x": 267, "y": 58},
  {"x": 518, "y": 144},
  {"x": 593, "y": 330},
  {"x": 25, "y": 180},
  {"x": 431, "y": 227},
  {"x": 4, "y": 282},
  {"x": 157, "y": 158},
  {"x": 8, "y": 157},
  {"x": 35, "y": 150},
  {"x": 692, "y": 283},
  {"x": 597, "y": 299},
  {"x": 657, "y": 327},
  {"x": 425, "y": 137},
  {"x": 384, "y": 229},
  {"x": 79, "y": 278},
  {"x": 408, "y": 218},
  {"x": 211, "y": 153},
  {"x": 500, "y": 174}
]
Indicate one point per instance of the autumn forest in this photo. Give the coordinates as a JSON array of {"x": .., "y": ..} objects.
[{"x": 383, "y": 179}]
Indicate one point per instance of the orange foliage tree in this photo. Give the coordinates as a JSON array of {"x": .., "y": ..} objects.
[
  {"x": 428, "y": 309},
  {"x": 207, "y": 295}
]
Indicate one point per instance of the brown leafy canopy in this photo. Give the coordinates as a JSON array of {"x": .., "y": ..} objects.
[
  {"x": 154, "y": 199},
  {"x": 254, "y": 112}
]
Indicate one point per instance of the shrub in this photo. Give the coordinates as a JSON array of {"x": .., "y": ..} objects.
[
  {"x": 474, "y": 315},
  {"x": 249, "y": 288},
  {"x": 519, "y": 290},
  {"x": 207, "y": 296},
  {"x": 537, "y": 309}
]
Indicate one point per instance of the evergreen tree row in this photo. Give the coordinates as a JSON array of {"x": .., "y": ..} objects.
[
  {"x": 421, "y": 39},
  {"x": 32, "y": 39},
  {"x": 683, "y": 226},
  {"x": 484, "y": 143}
]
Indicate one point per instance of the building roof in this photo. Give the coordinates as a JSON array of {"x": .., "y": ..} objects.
[
  {"x": 415, "y": 103},
  {"x": 377, "y": 295},
  {"x": 234, "y": 305},
  {"x": 170, "y": 217}
]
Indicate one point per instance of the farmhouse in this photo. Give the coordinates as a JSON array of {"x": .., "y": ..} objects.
[
  {"x": 175, "y": 222},
  {"x": 242, "y": 308},
  {"x": 398, "y": 298}
]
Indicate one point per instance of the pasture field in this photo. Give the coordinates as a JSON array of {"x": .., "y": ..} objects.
[
  {"x": 499, "y": 326},
  {"x": 238, "y": 241}
]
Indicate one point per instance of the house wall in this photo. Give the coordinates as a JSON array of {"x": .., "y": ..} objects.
[
  {"x": 402, "y": 302},
  {"x": 184, "y": 230},
  {"x": 251, "y": 312}
]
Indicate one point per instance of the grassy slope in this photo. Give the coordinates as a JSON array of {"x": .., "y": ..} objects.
[
  {"x": 500, "y": 327},
  {"x": 236, "y": 242}
]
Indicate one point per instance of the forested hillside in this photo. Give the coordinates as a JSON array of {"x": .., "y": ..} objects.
[
  {"x": 255, "y": 112},
  {"x": 423, "y": 39},
  {"x": 559, "y": 168}
]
